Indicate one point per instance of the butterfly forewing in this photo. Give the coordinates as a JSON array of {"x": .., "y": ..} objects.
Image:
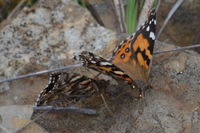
[
  {"x": 134, "y": 54},
  {"x": 102, "y": 65}
]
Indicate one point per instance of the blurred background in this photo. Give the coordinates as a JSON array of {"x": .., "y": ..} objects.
[{"x": 122, "y": 16}]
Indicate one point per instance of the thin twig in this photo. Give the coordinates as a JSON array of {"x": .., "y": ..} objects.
[
  {"x": 177, "y": 49},
  {"x": 106, "y": 105},
  {"x": 40, "y": 72},
  {"x": 119, "y": 10},
  {"x": 16, "y": 9},
  {"x": 4, "y": 129},
  {"x": 70, "y": 109},
  {"x": 172, "y": 11},
  {"x": 94, "y": 12},
  {"x": 144, "y": 13},
  {"x": 12, "y": 14},
  {"x": 47, "y": 109},
  {"x": 158, "y": 6},
  {"x": 23, "y": 127}
]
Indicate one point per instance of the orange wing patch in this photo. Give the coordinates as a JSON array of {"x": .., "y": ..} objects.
[
  {"x": 123, "y": 55},
  {"x": 141, "y": 60},
  {"x": 106, "y": 69},
  {"x": 142, "y": 45}
]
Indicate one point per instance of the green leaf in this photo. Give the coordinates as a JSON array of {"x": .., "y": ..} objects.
[
  {"x": 155, "y": 4},
  {"x": 131, "y": 15}
]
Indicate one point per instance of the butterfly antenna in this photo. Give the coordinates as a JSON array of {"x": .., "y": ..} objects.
[
  {"x": 40, "y": 72},
  {"x": 170, "y": 14},
  {"x": 177, "y": 49}
]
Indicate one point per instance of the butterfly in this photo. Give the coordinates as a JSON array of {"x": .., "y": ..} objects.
[
  {"x": 131, "y": 59},
  {"x": 66, "y": 89},
  {"x": 130, "y": 62}
]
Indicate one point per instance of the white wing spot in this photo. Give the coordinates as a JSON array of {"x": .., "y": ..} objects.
[
  {"x": 133, "y": 86},
  {"x": 75, "y": 78},
  {"x": 154, "y": 21},
  {"x": 97, "y": 57},
  {"x": 92, "y": 61},
  {"x": 152, "y": 35},
  {"x": 119, "y": 72},
  {"x": 148, "y": 28},
  {"x": 105, "y": 63},
  {"x": 121, "y": 43}
]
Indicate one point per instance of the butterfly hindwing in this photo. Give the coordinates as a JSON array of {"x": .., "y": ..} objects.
[
  {"x": 64, "y": 89},
  {"x": 44, "y": 94}
]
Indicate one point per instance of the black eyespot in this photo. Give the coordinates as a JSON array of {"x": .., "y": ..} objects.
[
  {"x": 127, "y": 50},
  {"x": 122, "y": 56}
]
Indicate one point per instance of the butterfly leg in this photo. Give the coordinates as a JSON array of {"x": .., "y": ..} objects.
[{"x": 143, "y": 90}]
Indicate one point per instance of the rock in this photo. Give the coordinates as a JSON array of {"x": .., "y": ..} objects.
[
  {"x": 16, "y": 116},
  {"x": 48, "y": 36},
  {"x": 178, "y": 29}
]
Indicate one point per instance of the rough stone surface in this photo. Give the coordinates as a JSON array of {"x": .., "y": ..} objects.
[
  {"x": 49, "y": 34},
  {"x": 185, "y": 19},
  {"x": 15, "y": 116}
]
